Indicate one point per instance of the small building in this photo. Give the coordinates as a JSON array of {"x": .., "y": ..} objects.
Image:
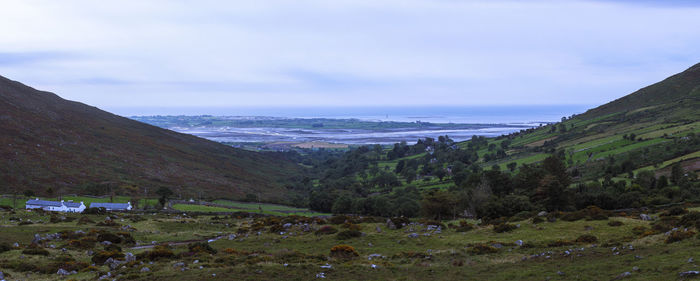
[
  {"x": 55, "y": 206},
  {"x": 112, "y": 206}
]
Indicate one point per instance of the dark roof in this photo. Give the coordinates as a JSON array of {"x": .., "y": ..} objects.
[
  {"x": 72, "y": 204},
  {"x": 44, "y": 203},
  {"x": 113, "y": 206}
]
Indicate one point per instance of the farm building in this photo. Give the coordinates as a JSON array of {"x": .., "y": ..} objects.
[
  {"x": 112, "y": 206},
  {"x": 56, "y": 206}
]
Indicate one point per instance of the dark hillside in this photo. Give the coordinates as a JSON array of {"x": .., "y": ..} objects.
[
  {"x": 46, "y": 141},
  {"x": 679, "y": 92}
]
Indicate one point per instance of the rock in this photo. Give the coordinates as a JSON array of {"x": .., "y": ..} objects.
[
  {"x": 129, "y": 257},
  {"x": 179, "y": 264},
  {"x": 112, "y": 263},
  {"x": 390, "y": 224},
  {"x": 374, "y": 266},
  {"x": 320, "y": 275},
  {"x": 690, "y": 260},
  {"x": 542, "y": 214},
  {"x": 106, "y": 243},
  {"x": 689, "y": 273},
  {"x": 636, "y": 268},
  {"x": 2, "y": 276},
  {"x": 145, "y": 269},
  {"x": 588, "y": 228},
  {"x": 16, "y": 245},
  {"x": 379, "y": 229},
  {"x": 63, "y": 272},
  {"x": 560, "y": 273},
  {"x": 287, "y": 225},
  {"x": 195, "y": 261},
  {"x": 37, "y": 239},
  {"x": 645, "y": 217},
  {"x": 413, "y": 235},
  {"x": 231, "y": 236},
  {"x": 624, "y": 275},
  {"x": 497, "y": 245},
  {"x": 519, "y": 242},
  {"x": 327, "y": 266}
]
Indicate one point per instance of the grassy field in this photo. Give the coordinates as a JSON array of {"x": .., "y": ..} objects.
[{"x": 264, "y": 249}]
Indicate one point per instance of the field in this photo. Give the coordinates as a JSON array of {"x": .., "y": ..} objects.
[{"x": 273, "y": 248}]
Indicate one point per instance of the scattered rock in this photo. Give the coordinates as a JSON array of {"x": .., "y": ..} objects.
[
  {"x": 327, "y": 266},
  {"x": 320, "y": 275},
  {"x": 64, "y": 272},
  {"x": 106, "y": 243},
  {"x": 179, "y": 264},
  {"x": 145, "y": 269},
  {"x": 542, "y": 214},
  {"x": 645, "y": 217},
  {"x": 287, "y": 225},
  {"x": 689, "y": 273},
  {"x": 636, "y": 268},
  {"x": 389, "y": 224},
  {"x": 231, "y": 236},
  {"x": 379, "y": 229},
  {"x": 519, "y": 242},
  {"x": 588, "y": 228},
  {"x": 623, "y": 275},
  {"x": 690, "y": 260},
  {"x": 560, "y": 273},
  {"x": 16, "y": 245},
  {"x": 497, "y": 245},
  {"x": 413, "y": 235},
  {"x": 129, "y": 257}
]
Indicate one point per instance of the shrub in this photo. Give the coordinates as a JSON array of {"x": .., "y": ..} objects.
[
  {"x": 339, "y": 219},
  {"x": 691, "y": 219},
  {"x": 615, "y": 223},
  {"x": 102, "y": 256},
  {"x": 573, "y": 216},
  {"x": 675, "y": 211},
  {"x": 480, "y": 249},
  {"x": 95, "y": 211},
  {"x": 400, "y": 222},
  {"x": 639, "y": 230},
  {"x": 34, "y": 249},
  {"x": 201, "y": 247},
  {"x": 325, "y": 230},
  {"x": 4, "y": 247},
  {"x": 665, "y": 224},
  {"x": 351, "y": 226},
  {"x": 126, "y": 238},
  {"x": 106, "y": 236},
  {"x": 586, "y": 238},
  {"x": 113, "y": 247},
  {"x": 158, "y": 252},
  {"x": 537, "y": 220},
  {"x": 679, "y": 235},
  {"x": 504, "y": 227},
  {"x": 84, "y": 220},
  {"x": 348, "y": 234},
  {"x": 464, "y": 226},
  {"x": 107, "y": 223},
  {"x": 343, "y": 252},
  {"x": 83, "y": 243},
  {"x": 560, "y": 243},
  {"x": 276, "y": 228}
]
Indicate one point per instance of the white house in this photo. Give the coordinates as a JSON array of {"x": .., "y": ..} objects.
[
  {"x": 56, "y": 206},
  {"x": 112, "y": 206}
]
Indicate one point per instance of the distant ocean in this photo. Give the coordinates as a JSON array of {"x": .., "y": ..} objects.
[
  {"x": 516, "y": 114},
  {"x": 516, "y": 117}
]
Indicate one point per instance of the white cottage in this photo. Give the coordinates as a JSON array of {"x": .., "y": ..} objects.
[
  {"x": 112, "y": 206},
  {"x": 55, "y": 206}
]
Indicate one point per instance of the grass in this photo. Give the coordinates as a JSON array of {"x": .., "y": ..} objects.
[{"x": 298, "y": 255}]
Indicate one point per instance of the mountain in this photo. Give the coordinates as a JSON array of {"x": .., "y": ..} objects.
[
  {"x": 676, "y": 97},
  {"x": 69, "y": 147}
]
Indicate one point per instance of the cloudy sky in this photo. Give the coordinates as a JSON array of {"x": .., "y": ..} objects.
[{"x": 115, "y": 54}]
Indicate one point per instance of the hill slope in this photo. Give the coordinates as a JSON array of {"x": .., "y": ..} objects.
[{"x": 46, "y": 141}]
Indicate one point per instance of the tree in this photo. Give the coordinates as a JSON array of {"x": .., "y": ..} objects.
[
  {"x": 676, "y": 173},
  {"x": 342, "y": 205},
  {"x": 164, "y": 194},
  {"x": 28, "y": 193},
  {"x": 511, "y": 166}
]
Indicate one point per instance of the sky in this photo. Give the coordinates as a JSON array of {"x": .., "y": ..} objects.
[{"x": 120, "y": 54}]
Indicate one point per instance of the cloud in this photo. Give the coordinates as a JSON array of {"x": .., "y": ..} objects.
[{"x": 408, "y": 52}]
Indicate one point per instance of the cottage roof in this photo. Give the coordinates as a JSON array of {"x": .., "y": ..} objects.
[
  {"x": 44, "y": 203},
  {"x": 72, "y": 204},
  {"x": 112, "y": 206}
]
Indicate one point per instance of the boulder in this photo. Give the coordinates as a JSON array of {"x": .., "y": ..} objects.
[
  {"x": 63, "y": 272},
  {"x": 413, "y": 235},
  {"x": 390, "y": 224},
  {"x": 691, "y": 273},
  {"x": 542, "y": 214},
  {"x": 645, "y": 217},
  {"x": 145, "y": 269},
  {"x": 129, "y": 257}
]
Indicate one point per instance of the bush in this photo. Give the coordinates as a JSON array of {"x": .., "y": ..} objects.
[
  {"x": 675, "y": 211},
  {"x": 126, "y": 238},
  {"x": 4, "y": 247},
  {"x": 504, "y": 227},
  {"x": 480, "y": 249},
  {"x": 158, "y": 252},
  {"x": 639, "y": 230},
  {"x": 537, "y": 220},
  {"x": 343, "y": 252},
  {"x": 100, "y": 257},
  {"x": 560, "y": 243},
  {"x": 34, "y": 249},
  {"x": 348, "y": 234},
  {"x": 573, "y": 216},
  {"x": 326, "y": 230},
  {"x": 615, "y": 223},
  {"x": 339, "y": 219},
  {"x": 691, "y": 219},
  {"x": 679, "y": 235},
  {"x": 586, "y": 238},
  {"x": 201, "y": 247},
  {"x": 95, "y": 211},
  {"x": 464, "y": 226},
  {"x": 400, "y": 222},
  {"x": 106, "y": 236},
  {"x": 83, "y": 243},
  {"x": 84, "y": 220},
  {"x": 107, "y": 223},
  {"x": 351, "y": 226}
]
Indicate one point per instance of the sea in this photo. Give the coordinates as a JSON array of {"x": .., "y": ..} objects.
[{"x": 499, "y": 120}]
